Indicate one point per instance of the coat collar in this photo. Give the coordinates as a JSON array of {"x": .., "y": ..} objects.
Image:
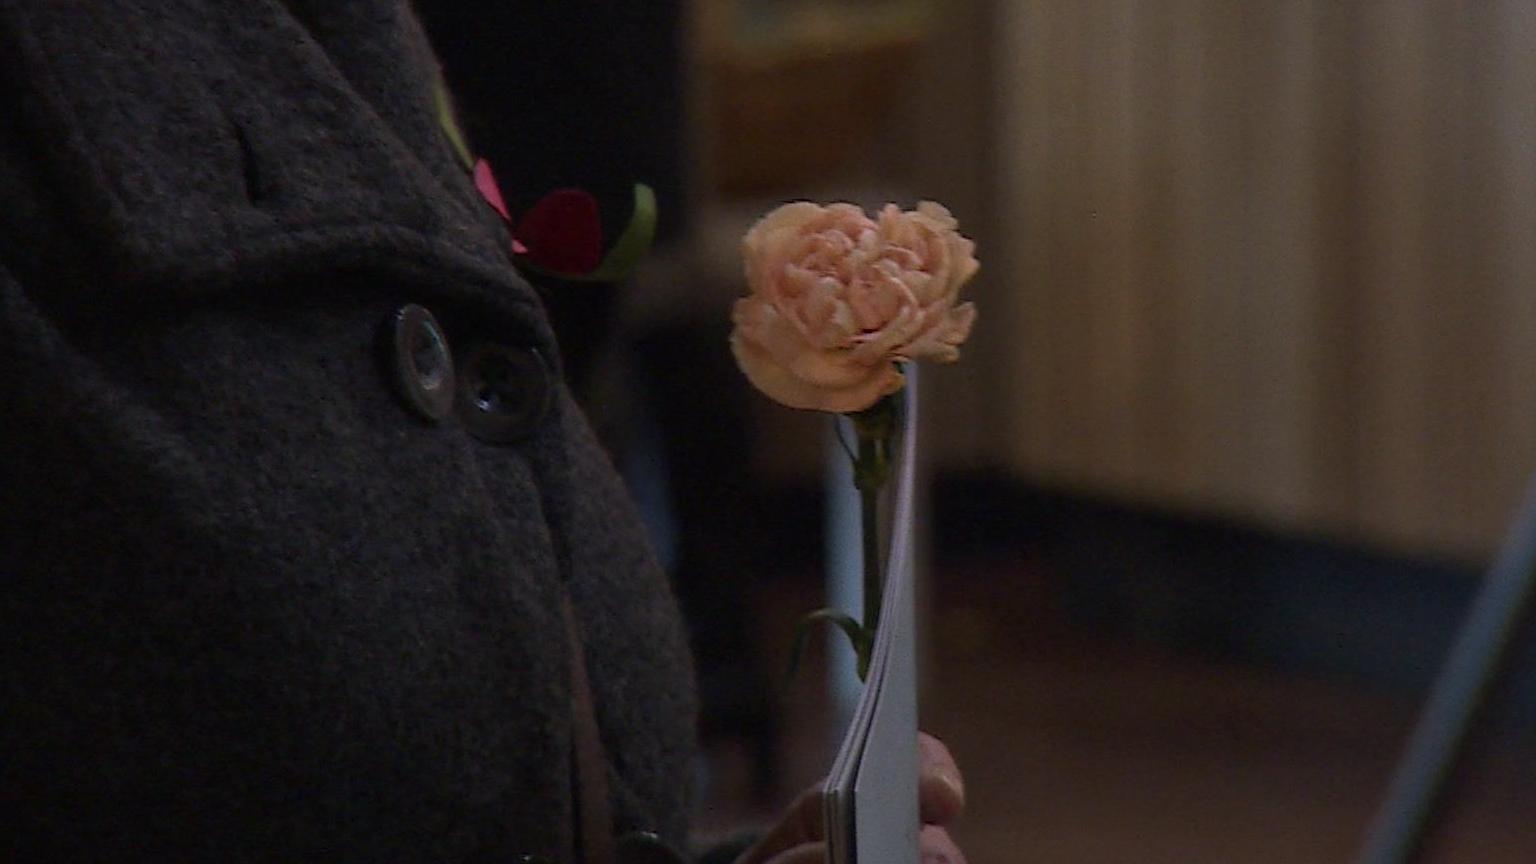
[{"x": 206, "y": 144}]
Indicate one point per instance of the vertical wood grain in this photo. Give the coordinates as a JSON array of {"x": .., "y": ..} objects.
[
  {"x": 1025, "y": 147},
  {"x": 1391, "y": 345},
  {"x": 1275, "y": 258},
  {"x": 1108, "y": 175},
  {"x": 1168, "y": 77},
  {"x": 1511, "y": 123}
]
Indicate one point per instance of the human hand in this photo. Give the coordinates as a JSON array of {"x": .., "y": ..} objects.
[{"x": 800, "y": 835}]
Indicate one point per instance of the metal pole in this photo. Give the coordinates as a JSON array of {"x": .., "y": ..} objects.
[{"x": 1456, "y": 703}]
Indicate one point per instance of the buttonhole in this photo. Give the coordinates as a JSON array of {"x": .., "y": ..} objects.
[{"x": 250, "y": 172}]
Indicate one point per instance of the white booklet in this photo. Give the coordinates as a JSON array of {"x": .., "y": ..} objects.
[{"x": 871, "y": 793}]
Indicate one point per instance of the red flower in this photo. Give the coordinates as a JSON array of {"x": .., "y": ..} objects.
[{"x": 561, "y": 233}]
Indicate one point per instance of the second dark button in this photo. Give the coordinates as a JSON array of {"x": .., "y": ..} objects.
[{"x": 504, "y": 392}]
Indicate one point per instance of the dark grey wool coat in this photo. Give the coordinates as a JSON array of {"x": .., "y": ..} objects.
[{"x": 252, "y": 605}]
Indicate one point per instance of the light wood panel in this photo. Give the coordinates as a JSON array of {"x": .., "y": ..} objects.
[{"x": 1272, "y": 259}]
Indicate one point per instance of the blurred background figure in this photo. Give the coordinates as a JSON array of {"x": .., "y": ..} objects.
[{"x": 1250, "y": 403}]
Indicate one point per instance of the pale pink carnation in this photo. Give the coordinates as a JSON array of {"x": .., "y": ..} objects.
[{"x": 836, "y": 298}]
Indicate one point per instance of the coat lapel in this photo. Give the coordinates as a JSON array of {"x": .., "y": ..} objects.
[{"x": 200, "y": 144}]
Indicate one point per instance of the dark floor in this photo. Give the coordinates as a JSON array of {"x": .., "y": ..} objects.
[{"x": 1082, "y": 748}]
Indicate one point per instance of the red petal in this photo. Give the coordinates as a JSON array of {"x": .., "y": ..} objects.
[
  {"x": 485, "y": 181},
  {"x": 563, "y": 233}
]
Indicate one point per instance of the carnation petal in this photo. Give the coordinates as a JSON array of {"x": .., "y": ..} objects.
[
  {"x": 762, "y": 325},
  {"x": 941, "y": 343},
  {"x": 830, "y": 369},
  {"x": 907, "y": 325},
  {"x": 781, "y": 385},
  {"x": 792, "y": 214},
  {"x": 963, "y": 250},
  {"x": 938, "y": 214}
]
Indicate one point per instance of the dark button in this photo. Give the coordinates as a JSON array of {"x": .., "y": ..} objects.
[
  {"x": 504, "y": 392},
  {"x": 643, "y": 847},
  {"x": 423, "y": 365}
]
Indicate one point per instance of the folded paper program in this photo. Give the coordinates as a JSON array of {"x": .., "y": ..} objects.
[{"x": 871, "y": 793}]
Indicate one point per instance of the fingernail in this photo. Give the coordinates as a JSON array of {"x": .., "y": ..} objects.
[
  {"x": 936, "y": 858},
  {"x": 953, "y": 783}
]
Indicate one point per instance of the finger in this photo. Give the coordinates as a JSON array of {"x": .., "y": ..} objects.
[
  {"x": 805, "y": 853},
  {"x": 941, "y": 789},
  {"x": 937, "y": 847},
  {"x": 800, "y": 825}
]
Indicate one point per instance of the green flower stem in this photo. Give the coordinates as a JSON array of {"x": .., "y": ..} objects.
[
  {"x": 869, "y": 508},
  {"x": 874, "y": 426}
]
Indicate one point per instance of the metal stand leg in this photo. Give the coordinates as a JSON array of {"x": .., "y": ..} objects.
[{"x": 1477, "y": 661}]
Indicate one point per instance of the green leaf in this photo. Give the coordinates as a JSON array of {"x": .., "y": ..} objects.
[
  {"x": 450, "y": 123},
  {"x": 625, "y": 254},
  {"x": 632, "y": 245},
  {"x": 861, "y": 640}
]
